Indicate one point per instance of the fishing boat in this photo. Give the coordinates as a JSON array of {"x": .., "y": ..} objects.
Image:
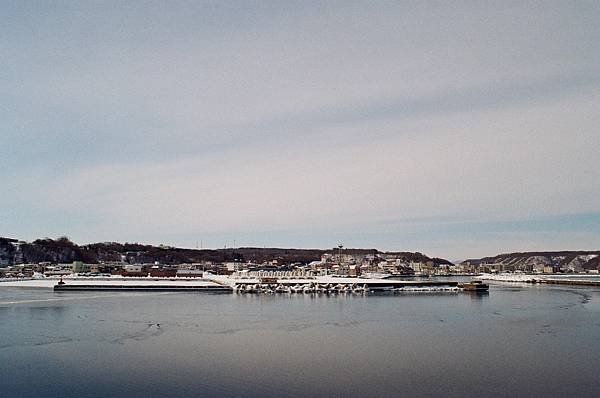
[{"x": 474, "y": 286}]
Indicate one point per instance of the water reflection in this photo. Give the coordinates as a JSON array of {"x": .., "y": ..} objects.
[{"x": 477, "y": 295}]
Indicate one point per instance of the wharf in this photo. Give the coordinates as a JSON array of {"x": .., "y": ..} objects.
[
  {"x": 143, "y": 288},
  {"x": 156, "y": 285},
  {"x": 220, "y": 284}
]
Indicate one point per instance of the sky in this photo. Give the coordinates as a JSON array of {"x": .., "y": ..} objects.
[{"x": 456, "y": 129}]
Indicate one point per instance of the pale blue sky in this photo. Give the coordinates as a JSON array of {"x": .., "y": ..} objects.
[{"x": 458, "y": 129}]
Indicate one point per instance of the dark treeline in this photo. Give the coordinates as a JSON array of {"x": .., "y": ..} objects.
[{"x": 62, "y": 250}]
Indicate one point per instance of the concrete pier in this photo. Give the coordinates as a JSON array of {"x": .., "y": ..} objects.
[
  {"x": 142, "y": 284},
  {"x": 144, "y": 288}
]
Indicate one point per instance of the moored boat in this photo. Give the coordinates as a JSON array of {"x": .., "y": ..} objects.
[{"x": 474, "y": 286}]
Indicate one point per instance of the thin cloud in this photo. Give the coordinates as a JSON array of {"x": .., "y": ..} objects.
[{"x": 326, "y": 122}]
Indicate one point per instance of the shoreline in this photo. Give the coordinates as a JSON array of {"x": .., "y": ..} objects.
[{"x": 576, "y": 279}]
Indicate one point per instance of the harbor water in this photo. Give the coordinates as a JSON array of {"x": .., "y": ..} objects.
[{"x": 518, "y": 340}]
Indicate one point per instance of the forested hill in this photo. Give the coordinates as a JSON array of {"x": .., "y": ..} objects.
[{"x": 62, "y": 250}]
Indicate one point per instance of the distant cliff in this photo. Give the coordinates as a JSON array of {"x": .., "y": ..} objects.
[
  {"x": 565, "y": 261},
  {"x": 62, "y": 250}
]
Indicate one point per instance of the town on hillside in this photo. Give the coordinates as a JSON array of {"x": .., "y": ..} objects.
[{"x": 62, "y": 257}]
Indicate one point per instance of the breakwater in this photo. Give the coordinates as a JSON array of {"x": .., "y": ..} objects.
[{"x": 144, "y": 288}]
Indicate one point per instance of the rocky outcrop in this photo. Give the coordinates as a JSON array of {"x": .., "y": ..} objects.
[{"x": 564, "y": 261}]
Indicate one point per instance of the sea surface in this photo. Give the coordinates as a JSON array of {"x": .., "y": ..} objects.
[{"x": 519, "y": 340}]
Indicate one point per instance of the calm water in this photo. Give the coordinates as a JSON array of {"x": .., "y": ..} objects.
[{"x": 517, "y": 341}]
